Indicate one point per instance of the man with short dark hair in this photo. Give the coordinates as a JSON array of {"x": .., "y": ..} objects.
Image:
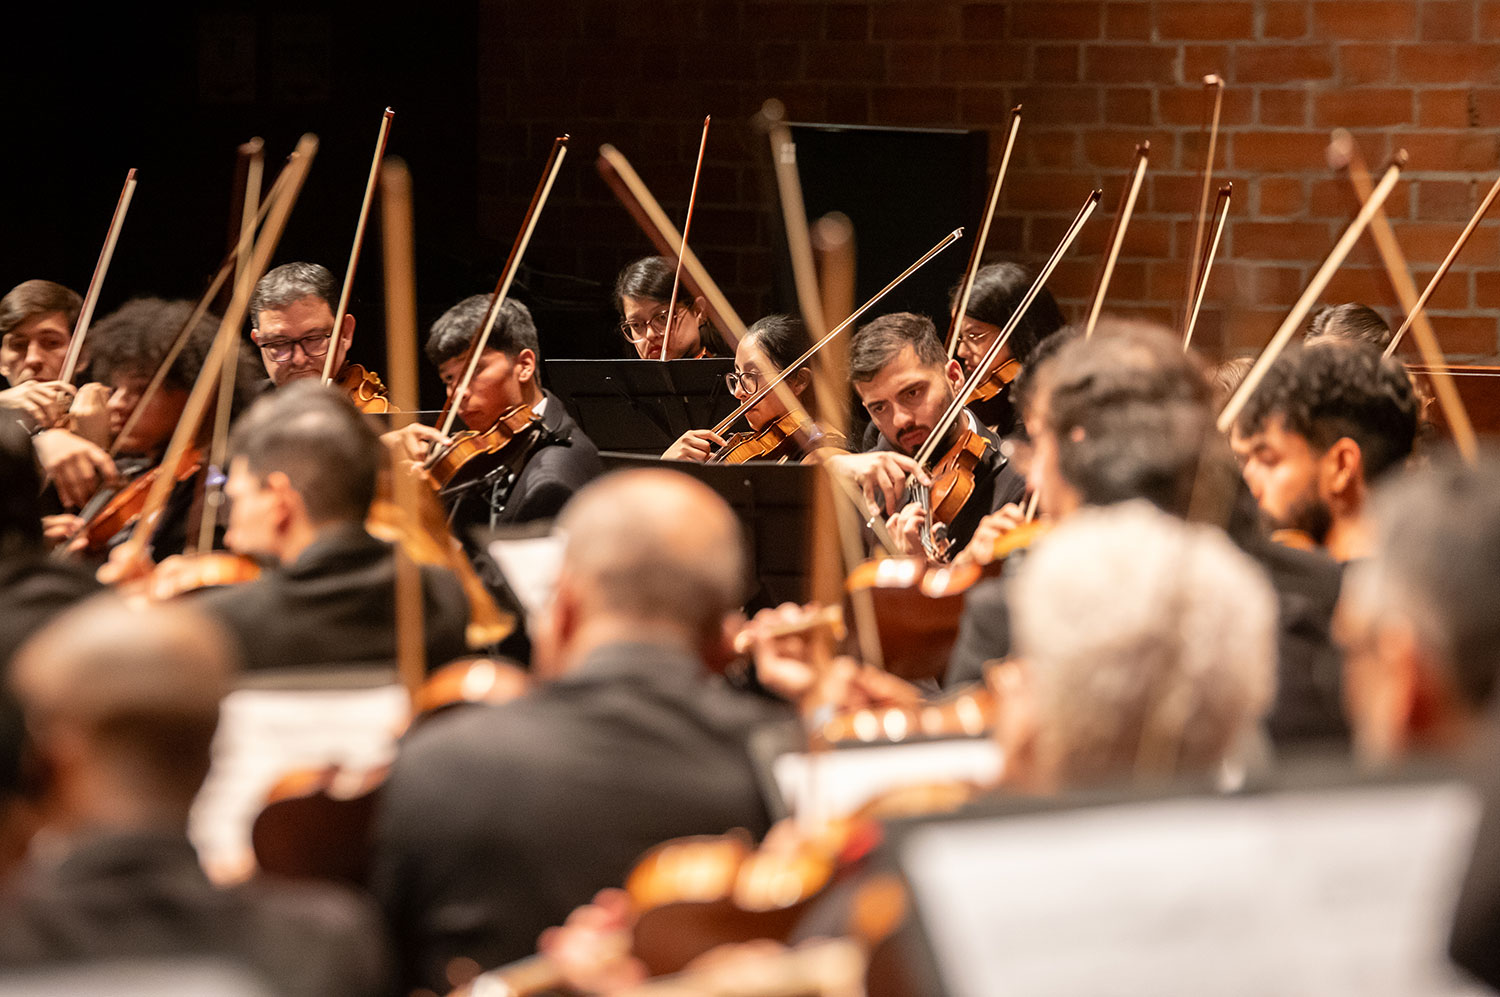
[
  {"x": 906, "y": 381},
  {"x": 1327, "y": 421},
  {"x": 1350, "y": 320},
  {"x": 302, "y": 476},
  {"x": 36, "y": 328},
  {"x": 545, "y": 468}
]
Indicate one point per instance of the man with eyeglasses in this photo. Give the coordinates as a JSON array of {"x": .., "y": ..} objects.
[{"x": 291, "y": 315}]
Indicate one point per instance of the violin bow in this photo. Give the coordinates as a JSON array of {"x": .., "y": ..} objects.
[
  {"x": 976, "y": 253},
  {"x": 1221, "y": 215},
  {"x": 401, "y": 365},
  {"x": 1213, "y": 83},
  {"x": 213, "y": 495},
  {"x": 1128, "y": 195},
  {"x": 687, "y": 224},
  {"x": 359, "y": 240},
  {"x": 1344, "y": 151},
  {"x": 91, "y": 297},
  {"x": 982, "y": 371},
  {"x": 507, "y": 276},
  {"x": 226, "y": 342},
  {"x": 1304, "y": 304},
  {"x": 1442, "y": 270}
]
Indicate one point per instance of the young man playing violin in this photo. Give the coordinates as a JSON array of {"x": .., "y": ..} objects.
[
  {"x": 1328, "y": 420},
  {"x": 906, "y": 382},
  {"x": 545, "y": 474}
]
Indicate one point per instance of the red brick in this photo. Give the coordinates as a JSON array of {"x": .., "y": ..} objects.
[
  {"x": 1472, "y": 335},
  {"x": 982, "y": 62},
  {"x": 1127, "y": 22},
  {"x": 983, "y": 21},
  {"x": 1280, "y": 196},
  {"x": 1489, "y": 19},
  {"x": 777, "y": 61},
  {"x": 1199, "y": 61},
  {"x": 922, "y": 106},
  {"x": 1192, "y": 106},
  {"x": 1284, "y": 21},
  {"x": 1281, "y": 240},
  {"x": 1130, "y": 106},
  {"x": 928, "y": 21},
  {"x": 1282, "y": 63},
  {"x": 1173, "y": 193},
  {"x": 1425, "y": 242},
  {"x": 1193, "y": 146},
  {"x": 1366, "y": 285},
  {"x": 1051, "y": 191},
  {"x": 1115, "y": 149},
  {"x": 848, "y": 105},
  {"x": 1207, "y": 21},
  {"x": 1362, "y": 108},
  {"x": 845, "y": 62},
  {"x": 848, "y": 22},
  {"x": 1452, "y": 293},
  {"x": 911, "y": 62},
  {"x": 1050, "y": 148},
  {"x": 1445, "y": 109},
  {"x": 1485, "y": 108},
  {"x": 1059, "y": 105},
  {"x": 791, "y": 21},
  {"x": 1283, "y": 107},
  {"x": 1055, "y": 64},
  {"x": 1167, "y": 280},
  {"x": 1294, "y": 152},
  {"x": 1138, "y": 64},
  {"x": 1078, "y": 20},
  {"x": 1486, "y": 284},
  {"x": 1448, "y": 63},
  {"x": 1373, "y": 19},
  {"x": 985, "y": 106},
  {"x": 1451, "y": 150},
  {"x": 1128, "y": 282},
  {"x": 1248, "y": 330},
  {"x": 1447, "y": 21},
  {"x": 1447, "y": 200},
  {"x": 1333, "y": 197},
  {"x": 1366, "y": 64},
  {"x": 1269, "y": 283}
]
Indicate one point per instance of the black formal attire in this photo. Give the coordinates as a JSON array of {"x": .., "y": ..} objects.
[
  {"x": 561, "y": 461},
  {"x": 995, "y": 484},
  {"x": 117, "y": 897},
  {"x": 34, "y": 588},
  {"x": 1475, "y": 940},
  {"x": 498, "y": 821},
  {"x": 336, "y": 605}
]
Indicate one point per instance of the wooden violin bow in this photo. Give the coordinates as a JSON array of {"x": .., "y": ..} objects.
[
  {"x": 1344, "y": 151},
  {"x": 96, "y": 282},
  {"x": 507, "y": 276},
  {"x": 1221, "y": 215},
  {"x": 687, "y": 224},
  {"x": 359, "y": 239},
  {"x": 982, "y": 371},
  {"x": 976, "y": 253},
  {"x": 1213, "y": 83},
  {"x": 1304, "y": 304},
  {"x": 1128, "y": 195}
]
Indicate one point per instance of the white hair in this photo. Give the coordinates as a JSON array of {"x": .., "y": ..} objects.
[{"x": 1151, "y": 644}]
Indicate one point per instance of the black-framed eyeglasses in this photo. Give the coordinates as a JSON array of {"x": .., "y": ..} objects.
[
  {"x": 280, "y": 350},
  {"x": 747, "y": 381},
  {"x": 636, "y": 333}
]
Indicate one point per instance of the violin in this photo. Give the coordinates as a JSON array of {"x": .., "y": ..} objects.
[
  {"x": 998, "y": 380},
  {"x": 463, "y": 459},
  {"x": 365, "y": 389},
  {"x": 954, "y": 479},
  {"x": 125, "y": 506},
  {"x": 778, "y": 440},
  {"x": 183, "y": 573},
  {"x": 971, "y": 713}
]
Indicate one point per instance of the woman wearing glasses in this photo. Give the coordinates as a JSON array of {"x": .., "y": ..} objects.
[
  {"x": 998, "y": 289},
  {"x": 768, "y": 347},
  {"x": 641, "y": 293}
]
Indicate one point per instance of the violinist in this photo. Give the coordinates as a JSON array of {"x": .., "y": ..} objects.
[
  {"x": 302, "y": 475},
  {"x": 905, "y": 381},
  {"x": 768, "y": 346},
  {"x": 1330, "y": 418},
  {"x": 998, "y": 289},
  {"x": 641, "y": 293},
  {"x": 1350, "y": 320},
  {"x": 560, "y": 461},
  {"x": 291, "y": 315}
]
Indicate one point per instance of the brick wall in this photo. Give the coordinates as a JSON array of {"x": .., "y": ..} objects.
[{"x": 1095, "y": 78}]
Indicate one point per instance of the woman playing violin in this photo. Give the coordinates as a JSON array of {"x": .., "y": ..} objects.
[
  {"x": 998, "y": 289},
  {"x": 641, "y": 293},
  {"x": 769, "y": 345}
]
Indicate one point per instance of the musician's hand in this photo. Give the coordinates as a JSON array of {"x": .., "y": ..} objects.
[
  {"x": 981, "y": 549},
  {"x": 413, "y": 441},
  {"x": 695, "y": 445},
  {"x": 905, "y": 528},
  {"x": 57, "y": 529},
  {"x": 880, "y": 474},
  {"x": 88, "y": 416},
  {"x": 592, "y": 948},
  {"x": 44, "y": 403},
  {"x": 76, "y": 466},
  {"x": 123, "y": 566}
]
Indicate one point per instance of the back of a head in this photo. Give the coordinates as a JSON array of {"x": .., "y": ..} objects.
[
  {"x": 20, "y": 509},
  {"x": 998, "y": 290},
  {"x": 1335, "y": 388},
  {"x": 316, "y": 437},
  {"x": 514, "y": 329},
  {"x": 1155, "y": 661},
  {"x": 880, "y": 341},
  {"x": 1437, "y": 564},
  {"x": 31, "y": 298},
  {"x": 1131, "y": 416},
  {"x": 1350, "y": 320},
  {"x": 655, "y": 546},
  {"x": 143, "y": 684},
  {"x": 290, "y": 283}
]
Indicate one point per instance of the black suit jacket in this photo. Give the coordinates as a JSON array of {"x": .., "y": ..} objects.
[
  {"x": 336, "y": 605},
  {"x": 143, "y": 896},
  {"x": 498, "y": 821},
  {"x": 34, "y": 588}
]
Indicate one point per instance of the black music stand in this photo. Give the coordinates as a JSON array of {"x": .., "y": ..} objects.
[
  {"x": 641, "y": 406},
  {"x": 774, "y": 506}
]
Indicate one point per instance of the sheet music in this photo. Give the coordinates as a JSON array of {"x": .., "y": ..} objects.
[{"x": 531, "y": 566}]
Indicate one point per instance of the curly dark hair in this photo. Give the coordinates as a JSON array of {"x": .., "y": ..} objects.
[{"x": 1336, "y": 388}]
